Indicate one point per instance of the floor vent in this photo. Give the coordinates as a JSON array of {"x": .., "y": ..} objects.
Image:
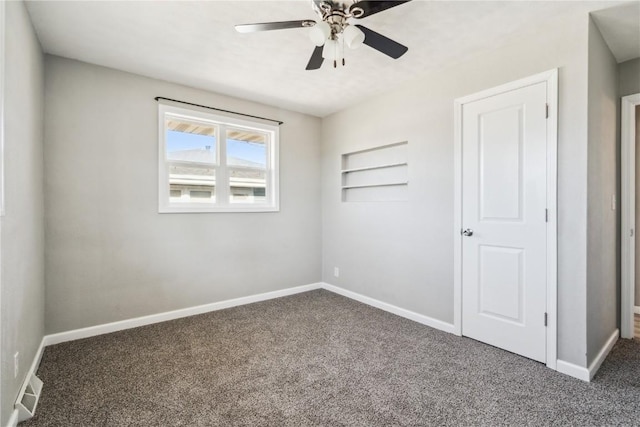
[{"x": 28, "y": 399}]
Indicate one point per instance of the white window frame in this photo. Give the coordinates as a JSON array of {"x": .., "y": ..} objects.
[{"x": 222, "y": 201}]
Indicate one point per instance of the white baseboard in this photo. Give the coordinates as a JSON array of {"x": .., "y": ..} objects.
[
  {"x": 597, "y": 362},
  {"x": 106, "y": 328},
  {"x": 582, "y": 373},
  {"x": 33, "y": 369},
  {"x": 191, "y": 311},
  {"x": 586, "y": 374},
  {"x": 636, "y": 309},
  {"x": 420, "y": 318},
  {"x": 572, "y": 370}
]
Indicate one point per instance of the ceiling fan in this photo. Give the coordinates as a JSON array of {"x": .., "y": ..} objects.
[{"x": 334, "y": 30}]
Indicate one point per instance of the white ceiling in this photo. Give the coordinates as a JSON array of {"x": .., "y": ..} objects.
[{"x": 195, "y": 44}]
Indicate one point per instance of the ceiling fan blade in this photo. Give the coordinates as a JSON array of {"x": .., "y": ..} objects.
[
  {"x": 267, "y": 26},
  {"x": 370, "y": 7},
  {"x": 316, "y": 59},
  {"x": 382, "y": 43}
]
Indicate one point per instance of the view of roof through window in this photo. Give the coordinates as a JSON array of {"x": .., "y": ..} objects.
[{"x": 197, "y": 143}]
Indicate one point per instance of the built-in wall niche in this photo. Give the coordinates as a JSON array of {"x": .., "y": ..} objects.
[{"x": 377, "y": 174}]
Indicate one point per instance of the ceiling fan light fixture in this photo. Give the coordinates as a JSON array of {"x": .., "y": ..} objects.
[
  {"x": 319, "y": 33},
  {"x": 353, "y": 36},
  {"x": 330, "y": 49},
  {"x": 332, "y": 31}
]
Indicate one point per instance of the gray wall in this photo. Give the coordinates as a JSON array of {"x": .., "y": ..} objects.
[
  {"x": 602, "y": 220},
  {"x": 22, "y": 230},
  {"x": 402, "y": 252},
  {"x": 629, "y": 74},
  {"x": 110, "y": 255}
]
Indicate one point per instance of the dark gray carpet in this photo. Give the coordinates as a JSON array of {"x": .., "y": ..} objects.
[{"x": 319, "y": 359}]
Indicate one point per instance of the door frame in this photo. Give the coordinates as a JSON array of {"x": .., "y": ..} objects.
[
  {"x": 628, "y": 212},
  {"x": 3, "y": 31},
  {"x": 551, "y": 78}
]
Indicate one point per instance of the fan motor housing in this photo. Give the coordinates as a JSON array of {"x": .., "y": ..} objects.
[
  {"x": 328, "y": 8},
  {"x": 336, "y": 13}
]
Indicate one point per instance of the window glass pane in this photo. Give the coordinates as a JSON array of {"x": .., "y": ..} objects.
[
  {"x": 182, "y": 191},
  {"x": 200, "y": 194},
  {"x": 247, "y": 160},
  {"x": 191, "y": 160},
  {"x": 246, "y": 149},
  {"x": 247, "y": 185}
]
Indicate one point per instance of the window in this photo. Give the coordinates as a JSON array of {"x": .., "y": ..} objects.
[{"x": 211, "y": 163}]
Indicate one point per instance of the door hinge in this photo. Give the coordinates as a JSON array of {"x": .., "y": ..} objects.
[
  {"x": 546, "y": 215},
  {"x": 546, "y": 110},
  {"x": 631, "y": 232},
  {"x": 545, "y": 319}
]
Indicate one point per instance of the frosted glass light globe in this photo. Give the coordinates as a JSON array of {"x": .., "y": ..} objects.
[
  {"x": 319, "y": 33},
  {"x": 329, "y": 50},
  {"x": 353, "y": 36}
]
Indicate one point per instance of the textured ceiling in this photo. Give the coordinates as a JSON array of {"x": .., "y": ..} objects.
[{"x": 194, "y": 43}]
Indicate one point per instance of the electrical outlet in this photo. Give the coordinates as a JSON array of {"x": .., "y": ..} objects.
[
  {"x": 336, "y": 271},
  {"x": 16, "y": 364}
]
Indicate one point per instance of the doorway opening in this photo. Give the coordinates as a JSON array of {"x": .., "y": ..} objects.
[{"x": 629, "y": 296}]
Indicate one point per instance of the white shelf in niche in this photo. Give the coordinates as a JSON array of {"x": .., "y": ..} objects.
[
  {"x": 376, "y": 174},
  {"x": 386, "y": 184},
  {"x": 367, "y": 168}
]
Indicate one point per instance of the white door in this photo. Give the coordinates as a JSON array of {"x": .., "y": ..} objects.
[{"x": 504, "y": 212}]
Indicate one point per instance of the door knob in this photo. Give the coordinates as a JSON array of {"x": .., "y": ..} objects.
[{"x": 467, "y": 232}]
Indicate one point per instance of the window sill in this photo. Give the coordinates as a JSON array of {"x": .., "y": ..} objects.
[{"x": 217, "y": 209}]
